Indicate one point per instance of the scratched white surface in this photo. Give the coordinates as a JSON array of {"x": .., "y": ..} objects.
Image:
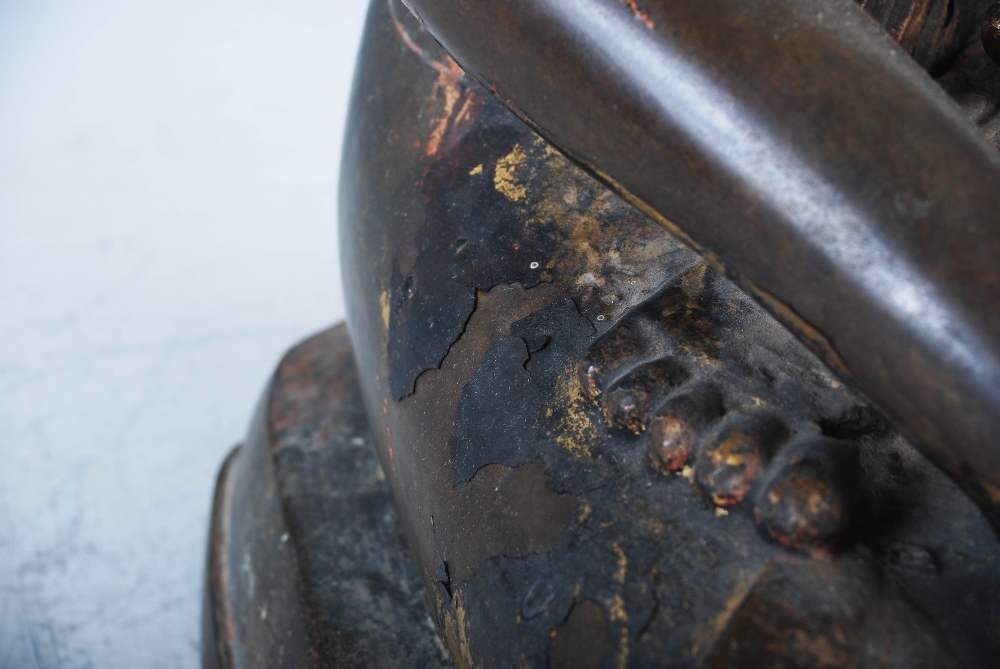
[{"x": 167, "y": 229}]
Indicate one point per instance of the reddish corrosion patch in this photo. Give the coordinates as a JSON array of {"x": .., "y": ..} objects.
[
  {"x": 456, "y": 106},
  {"x": 638, "y": 13},
  {"x": 802, "y": 511},
  {"x": 296, "y": 393},
  {"x": 729, "y": 467},
  {"x": 448, "y": 67},
  {"x": 671, "y": 440},
  {"x": 447, "y": 91}
]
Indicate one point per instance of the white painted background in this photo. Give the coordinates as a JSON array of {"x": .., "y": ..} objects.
[{"x": 168, "y": 182}]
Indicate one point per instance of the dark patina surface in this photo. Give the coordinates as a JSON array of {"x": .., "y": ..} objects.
[
  {"x": 306, "y": 568},
  {"x": 603, "y": 453},
  {"x": 804, "y": 153}
]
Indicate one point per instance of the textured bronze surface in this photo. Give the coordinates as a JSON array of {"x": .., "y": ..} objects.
[
  {"x": 798, "y": 147},
  {"x": 525, "y": 438},
  {"x": 306, "y": 568}
]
